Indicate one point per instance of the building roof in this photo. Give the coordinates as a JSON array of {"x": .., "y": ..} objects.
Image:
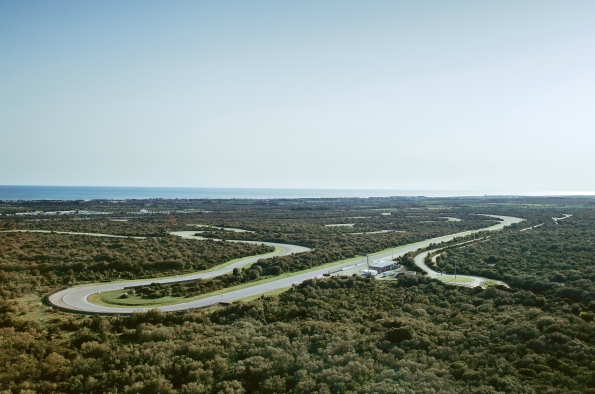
[{"x": 382, "y": 264}]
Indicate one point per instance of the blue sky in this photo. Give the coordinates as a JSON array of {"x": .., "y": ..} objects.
[{"x": 494, "y": 96}]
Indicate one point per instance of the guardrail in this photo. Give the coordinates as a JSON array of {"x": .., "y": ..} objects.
[{"x": 345, "y": 267}]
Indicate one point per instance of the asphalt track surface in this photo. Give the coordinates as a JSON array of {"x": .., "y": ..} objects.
[
  {"x": 476, "y": 280},
  {"x": 74, "y": 299}
]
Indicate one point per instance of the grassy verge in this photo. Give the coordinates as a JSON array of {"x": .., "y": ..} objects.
[
  {"x": 111, "y": 299},
  {"x": 452, "y": 279}
]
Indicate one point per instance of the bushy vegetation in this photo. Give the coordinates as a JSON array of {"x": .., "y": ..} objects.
[
  {"x": 556, "y": 259},
  {"x": 199, "y": 286},
  {"x": 336, "y": 335},
  {"x": 151, "y": 226},
  {"x": 54, "y": 259},
  {"x": 331, "y": 336},
  {"x": 553, "y": 250}
]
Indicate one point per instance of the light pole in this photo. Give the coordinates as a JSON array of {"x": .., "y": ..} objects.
[
  {"x": 367, "y": 259},
  {"x": 455, "y": 268}
]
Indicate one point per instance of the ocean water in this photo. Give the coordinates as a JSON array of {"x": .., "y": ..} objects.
[{"x": 9, "y": 192}]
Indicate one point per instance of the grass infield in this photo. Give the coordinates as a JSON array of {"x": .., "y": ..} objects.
[{"x": 451, "y": 278}]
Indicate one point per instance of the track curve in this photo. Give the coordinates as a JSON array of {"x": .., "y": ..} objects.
[
  {"x": 74, "y": 299},
  {"x": 476, "y": 280}
]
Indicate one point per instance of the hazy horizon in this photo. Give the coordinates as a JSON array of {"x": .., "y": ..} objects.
[
  {"x": 16, "y": 192},
  {"x": 299, "y": 95}
]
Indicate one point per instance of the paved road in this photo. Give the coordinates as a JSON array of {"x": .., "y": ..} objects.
[
  {"x": 75, "y": 298},
  {"x": 530, "y": 228},
  {"x": 564, "y": 216},
  {"x": 476, "y": 280}
]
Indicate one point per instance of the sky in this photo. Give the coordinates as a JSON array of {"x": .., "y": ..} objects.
[{"x": 424, "y": 95}]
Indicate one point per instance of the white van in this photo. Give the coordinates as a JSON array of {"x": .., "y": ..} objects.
[{"x": 369, "y": 272}]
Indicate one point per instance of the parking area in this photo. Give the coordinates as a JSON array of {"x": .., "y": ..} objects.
[{"x": 358, "y": 267}]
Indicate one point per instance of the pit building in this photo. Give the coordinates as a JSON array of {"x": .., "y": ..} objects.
[{"x": 383, "y": 266}]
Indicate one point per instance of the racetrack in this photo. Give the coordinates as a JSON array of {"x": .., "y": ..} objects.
[
  {"x": 473, "y": 280},
  {"x": 74, "y": 299}
]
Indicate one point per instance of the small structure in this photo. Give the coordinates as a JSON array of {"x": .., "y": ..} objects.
[{"x": 383, "y": 266}]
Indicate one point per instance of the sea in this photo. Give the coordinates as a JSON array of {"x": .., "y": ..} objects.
[{"x": 32, "y": 193}]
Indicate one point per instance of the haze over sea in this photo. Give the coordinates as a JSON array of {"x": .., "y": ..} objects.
[{"x": 15, "y": 192}]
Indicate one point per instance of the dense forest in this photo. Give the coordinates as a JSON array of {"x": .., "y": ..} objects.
[
  {"x": 53, "y": 259},
  {"x": 330, "y": 336},
  {"x": 334, "y": 335},
  {"x": 197, "y": 287}
]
